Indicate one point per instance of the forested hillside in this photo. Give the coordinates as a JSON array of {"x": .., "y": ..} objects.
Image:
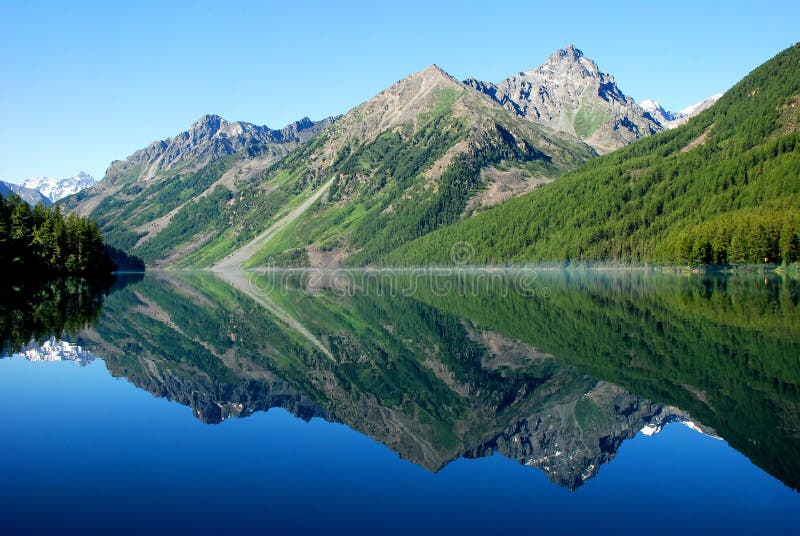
[
  {"x": 722, "y": 189},
  {"x": 42, "y": 241}
]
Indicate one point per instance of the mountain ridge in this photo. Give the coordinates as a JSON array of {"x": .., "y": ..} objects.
[
  {"x": 721, "y": 189},
  {"x": 670, "y": 120},
  {"x": 207, "y": 138},
  {"x": 140, "y": 195},
  {"x": 394, "y": 147},
  {"x": 427, "y": 152},
  {"x": 569, "y": 93},
  {"x": 57, "y": 189},
  {"x": 29, "y": 195},
  {"x": 442, "y": 129}
]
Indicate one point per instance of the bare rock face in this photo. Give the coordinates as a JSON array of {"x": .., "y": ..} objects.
[
  {"x": 210, "y": 137},
  {"x": 570, "y": 94}
]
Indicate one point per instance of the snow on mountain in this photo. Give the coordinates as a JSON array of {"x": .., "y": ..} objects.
[
  {"x": 55, "y": 189},
  {"x": 29, "y": 195},
  {"x": 696, "y": 108},
  {"x": 649, "y": 105},
  {"x": 57, "y": 350},
  {"x": 657, "y": 425},
  {"x": 658, "y": 112},
  {"x": 669, "y": 119}
]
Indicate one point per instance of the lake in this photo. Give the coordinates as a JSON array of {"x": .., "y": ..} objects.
[{"x": 393, "y": 402}]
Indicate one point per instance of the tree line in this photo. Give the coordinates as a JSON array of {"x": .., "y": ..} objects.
[{"x": 37, "y": 241}]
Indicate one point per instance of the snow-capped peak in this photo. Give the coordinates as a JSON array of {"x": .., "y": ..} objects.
[
  {"x": 649, "y": 105},
  {"x": 55, "y": 189},
  {"x": 698, "y": 107},
  {"x": 57, "y": 350},
  {"x": 669, "y": 119}
]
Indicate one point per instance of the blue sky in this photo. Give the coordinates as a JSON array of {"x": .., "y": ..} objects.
[{"x": 84, "y": 83}]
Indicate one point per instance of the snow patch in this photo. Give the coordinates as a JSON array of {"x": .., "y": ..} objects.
[{"x": 57, "y": 350}]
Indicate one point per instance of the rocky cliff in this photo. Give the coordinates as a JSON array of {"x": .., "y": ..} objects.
[{"x": 569, "y": 93}]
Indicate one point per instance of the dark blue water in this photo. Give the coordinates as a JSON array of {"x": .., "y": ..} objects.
[{"x": 85, "y": 451}]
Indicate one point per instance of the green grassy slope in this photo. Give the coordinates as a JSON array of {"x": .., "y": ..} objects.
[
  {"x": 722, "y": 189},
  {"x": 404, "y": 163},
  {"x": 382, "y": 198},
  {"x": 385, "y": 191}
]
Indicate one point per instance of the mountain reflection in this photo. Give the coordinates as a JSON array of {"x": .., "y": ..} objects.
[
  {"x": 35, "y": 310},
  {"x": 554, "y": 369}
]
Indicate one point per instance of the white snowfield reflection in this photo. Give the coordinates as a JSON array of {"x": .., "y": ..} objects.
[{"x": 57, "y": 350}]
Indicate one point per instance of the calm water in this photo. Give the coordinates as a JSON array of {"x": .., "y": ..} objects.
[{"x": 403, "y": 402}]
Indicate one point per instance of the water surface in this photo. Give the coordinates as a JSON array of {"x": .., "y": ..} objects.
[{"x": 415, "y": 401}]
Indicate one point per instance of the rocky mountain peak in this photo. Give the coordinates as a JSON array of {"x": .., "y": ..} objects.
[
  {"x": 208, "y": 138},
  {"x": 210, "y": 126},
  {"x": 302, "y": 124},
  {"x": 209, "y": 121},
  {"x": 569, "y": 61},
  {"x": 569, "y": 93},
  {"x": 401, "y": 103},
  {"x": 569, "y": 54},
  {"x": 657, "y": 112},
  {"x": 431, "y": 76},
  {"x": 434, "y": 70},
  {"x": 303, "y": 129}
]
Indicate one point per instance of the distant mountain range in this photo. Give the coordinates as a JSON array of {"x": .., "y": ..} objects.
[
  {"x": 48, "y": 190},
  {"x": 55, "y": 349},
  {"x": 669, "y": 119},
  {"x": 56, "y": 189},
  {"x": 424, "y": 154},
  {"x": 29, "y": 195},
  {"x": 209, "y": 138}
]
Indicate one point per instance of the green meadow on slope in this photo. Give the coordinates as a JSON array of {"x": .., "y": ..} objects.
[
  {"x": 403, "y": 164},
  {"x": 413, "y": 158},
  {"x": 722, "y": 189}
]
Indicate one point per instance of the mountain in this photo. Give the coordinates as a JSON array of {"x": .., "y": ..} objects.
[
  {"x": 421, "y": 154},
  {"x": 572, "y": 440},
  {"x": 671, "y": 120},
  {"x": 55, "y": 349},
  {"x": 558, "y": 381},
  {"x": 29, "y": 195},
  {"x": 139, "y": 196},
  {"x": 55, "y": 189},
  {"x": 469, "y": 399},
  {"x": 569, "y": 93},
  {"x": 694, "y": 109},
  {"x": 658, "y": 112},
  {"x": 209, "y": 138},
  {"x": 720, "y": 189}
]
